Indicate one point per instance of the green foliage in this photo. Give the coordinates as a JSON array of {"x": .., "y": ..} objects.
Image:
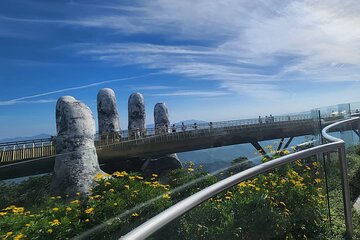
[
  {"x": 285, "y": 203},
  {"x": 62, "y": 217}
]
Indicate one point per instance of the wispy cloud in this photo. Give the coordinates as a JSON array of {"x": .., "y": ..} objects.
[
  {"x": 249, "y": 47},
  {"x": 13, "y": 102},
  {"x": 25, "y": 98},
  {"x": 151, "y": 87},
  {"x": 192, "y": 93}
]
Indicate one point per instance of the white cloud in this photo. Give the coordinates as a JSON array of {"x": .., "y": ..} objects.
[
  {"x": 13, "y": 102},
  {"x": 249, "y": 47},
  {"x": 192, "y": 93},
  {"x": 25, "y": 98}
]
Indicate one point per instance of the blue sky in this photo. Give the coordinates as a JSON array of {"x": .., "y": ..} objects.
[{"x": 207, "y": 60}]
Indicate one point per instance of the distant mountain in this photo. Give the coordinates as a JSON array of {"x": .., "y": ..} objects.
[{"x": 16, "y": 139}]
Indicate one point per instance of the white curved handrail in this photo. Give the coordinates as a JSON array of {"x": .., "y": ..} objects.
[{"x": 157, "y": 222}]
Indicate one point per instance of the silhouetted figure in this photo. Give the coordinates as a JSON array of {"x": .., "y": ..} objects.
[
  {"x": 271, "y": 118},
  {"x": 195, "y": 126},
  {"x": 266, "y": 119},
  {"x": 260, "y": 120},
  {"x": 173, "y": 128},
  {"x": 211, "y": 125},
  {"x": 183, "y": 127}
]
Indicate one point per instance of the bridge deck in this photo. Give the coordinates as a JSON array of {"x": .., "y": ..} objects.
[{"x": 15, "y": 160}]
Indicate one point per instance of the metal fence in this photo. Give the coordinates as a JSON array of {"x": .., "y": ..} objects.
[{"x": 154, "y": 224}]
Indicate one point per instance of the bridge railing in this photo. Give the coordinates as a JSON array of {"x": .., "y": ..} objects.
[
  {"x": 211, "y": 193},
  {"x": 13, "y": 151}
]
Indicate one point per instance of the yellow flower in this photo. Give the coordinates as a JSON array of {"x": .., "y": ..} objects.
[
  {"x": 227, "y": 197},
  {"x": 286, "y": 152},
  {"x": 147, "y": 183},
  {"x": 18, "y": 210},
  {"x": 282, "y": 203},
  {"x": 77, "y": 194},
  {"x": 89, "y": 211},
  {"x": 166, "y": 196},
  {"x": 99, "y": 176},
  {"x": 53, "y": 198},
  {"x": 317, "y": 180},
  {"x": 127, "y": 187},
  {"x": 68, "y": 209},
  {"x": 58, "y": 197},
  {"x": 107, "y": 183},
  {"x": 19, "y": 236},
  {"x": 50, "y": 231},
  {"x": 190, "y": 169},
  {"x": 135, "y": 214},
  {"x": 316, "y": 164},
  {"x": 131, "y": 177},
  {"x": 139, "y": 177},
  {"x": 154, "y": 175},
  {"x": 27, "y": 225},
  {"x": 3, "y": 213},
  {"x": 55, "y": 222},
  {"x": 115, "y": 204},
  {"x": 9, "y": 234},
  {"x": 87, "y": 220},
  {"x": 55, "y": 209},
  {"x": 75, "y": 202},
  {"x": 111, "y": 190},
  {"x": 257, "y": 189}
]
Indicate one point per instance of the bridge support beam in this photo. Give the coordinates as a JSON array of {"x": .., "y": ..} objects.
[
  {"x": 280, "y": 144},
  {"x": 260, "y": 149},
  {"x": 357, "y": 133},
  {"x": 288, "y": 142}
]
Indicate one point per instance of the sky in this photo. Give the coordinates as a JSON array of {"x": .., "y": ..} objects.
[{"x": 206, "y": 59}]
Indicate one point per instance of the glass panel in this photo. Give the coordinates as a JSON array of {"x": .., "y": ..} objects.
[{"x": 287, "y": 202}]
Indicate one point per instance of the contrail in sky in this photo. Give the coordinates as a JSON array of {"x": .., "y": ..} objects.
[{"x": 21, "y": 99}]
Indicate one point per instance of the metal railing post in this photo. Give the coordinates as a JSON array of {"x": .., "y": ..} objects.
[{"x": 345, "y": 191}]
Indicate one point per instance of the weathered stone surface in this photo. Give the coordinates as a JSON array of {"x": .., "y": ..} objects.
[
  {"x": 59, "y": 105},
  {"x": 161, "y": 117},
  {"x": 76, "y": 163},
  {"x": 162, "y": 165},
  {"x": 108, "y": 115},
  {"x": 166, "y": 163},
  {"x": 136, "y": 112}
]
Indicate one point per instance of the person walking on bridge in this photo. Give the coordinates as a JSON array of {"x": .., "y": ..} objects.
[
  {"x": 183, "y": 127},
  {"x": 173, "y": 128},
  {"x": 260, "y": 120}
]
